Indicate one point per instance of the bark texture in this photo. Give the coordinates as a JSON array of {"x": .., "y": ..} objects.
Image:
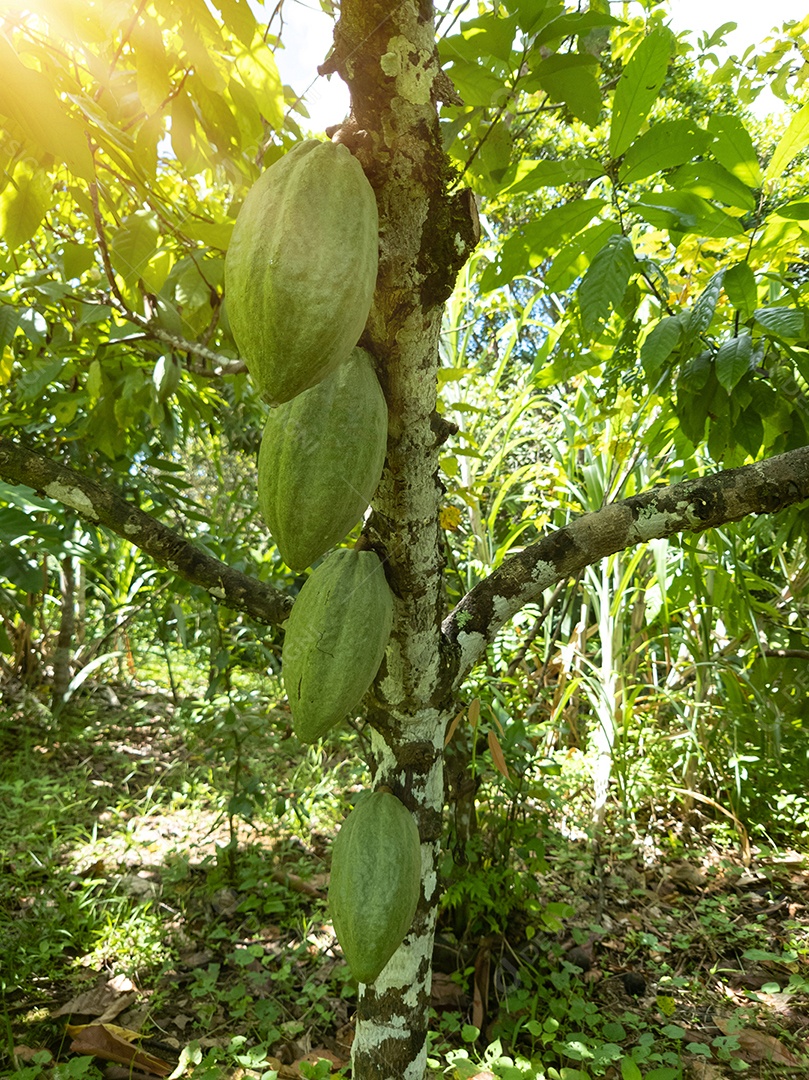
[
  {"x": 691, "y": 506},
  {"x": 386, "y": 54},
  {"x": 100, "y": 506}
]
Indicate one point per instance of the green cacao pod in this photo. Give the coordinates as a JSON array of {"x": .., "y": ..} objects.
[
  {"x": 375, "y": 882},
  {"x": 335, "y": 640},
  {"x": 321, "y": 459},
  {"x": 300, "y": 270}
]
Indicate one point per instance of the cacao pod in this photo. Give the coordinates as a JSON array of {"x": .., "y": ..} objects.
[
  {"x": 300, "y": 270},
  {"x": 321, "y": 459},
  {"x": 375, "y": 882},
  {"x": 335, "y": 640}
]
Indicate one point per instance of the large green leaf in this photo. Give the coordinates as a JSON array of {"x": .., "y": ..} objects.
[
  {"x": 685, "y": 212},
  {"x": 573, "y": 23},
  {"x": 134, "y": 244},
  {"x": 638, "y": 88},
  {"x": 527, "y": 247},
  {"x": 576, "y": 255},
  {"x": 714, "y": 182},
  {"x": 701, "y": 314},
  {"x": 660, "y": 342},
  {"x": 569, "y": 170},
  {"x": 733, "y": 360},
  {"x": 570, "y": 78},
  {"x": 785, "y": 322},
  {"x": 740, "y": 285},
  {"x": 664, "y": 145},
  {"x": 733, "y": 148},
  {"x": 23, "y": 205},
  {"x": 27, "y": 97},
  {"x": 605, "y": 282},
  {"x": 794, "y": 139}
]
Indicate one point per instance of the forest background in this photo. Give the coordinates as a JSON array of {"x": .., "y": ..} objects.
[{"x": 627, "y": 767}]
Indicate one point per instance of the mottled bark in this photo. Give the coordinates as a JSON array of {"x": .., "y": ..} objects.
[
  {"x": 101, "y": 506},
  {"x": 386, "y": 53},
  {"x": 691, "y": 506}
]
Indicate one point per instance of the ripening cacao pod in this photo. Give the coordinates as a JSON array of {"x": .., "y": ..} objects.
[
  {"x": 375, "y": 882},
  {"x": 321, "y": 459},
  {"x": 300, "y": 270},
  {"x": 335, "y": 640}
]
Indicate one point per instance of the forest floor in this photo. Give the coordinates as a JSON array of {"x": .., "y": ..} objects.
[{"x": 171, "y": 881}]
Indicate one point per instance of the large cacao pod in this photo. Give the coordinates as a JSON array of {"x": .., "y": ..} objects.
[
  {"x": 375, "y": 882},
  {"x": 300, "y": 270},
  {"x": 335, "y": 640},
  {"x": 321, "y": 459}
]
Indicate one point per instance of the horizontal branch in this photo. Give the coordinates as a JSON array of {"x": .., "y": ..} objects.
[
  {"x": 100, "y": 506},
  {"x": 691, "y": 506}
]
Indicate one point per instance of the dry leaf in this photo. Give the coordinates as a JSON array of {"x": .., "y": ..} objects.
[
  {"x": 758, "y": 1045},
  {"x": 314, "y": 1056},
  {"x": 105, "y": 1001},
  {"x": 101, "y": 1042},
  {"x": 497, "y": 755},
  {"x": 453, "y": 726},
  {"x": 445, "y": 992}
]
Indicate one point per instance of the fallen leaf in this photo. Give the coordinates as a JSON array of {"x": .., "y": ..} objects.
[
  {"x": 99, "y": 1041},
  {"x": 106, "y": 999},
  {"x": 757, "y": 1045}
]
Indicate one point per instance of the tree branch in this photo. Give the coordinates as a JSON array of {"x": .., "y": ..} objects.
[
  {"x": 99, "y": 505},
  {"x": 691, "y": 506}
]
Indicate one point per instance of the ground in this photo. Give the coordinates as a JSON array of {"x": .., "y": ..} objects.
[{"x": 164, "y": 871}]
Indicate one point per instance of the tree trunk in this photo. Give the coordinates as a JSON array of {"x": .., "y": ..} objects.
[{"x": 386, "y": 53}]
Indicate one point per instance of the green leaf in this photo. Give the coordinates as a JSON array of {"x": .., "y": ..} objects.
[
  {"x": 683, "y": 211},
  {"x": 76, "y": 259},
  {"x": 740, "y": 286},
  {"x": 660, "y": 342},
  {"x": 488, "y": 35},
  {"x": 604, "y": 284},
  {"x": 14, "y": 567},
  {"x": 733, "y": 360},
  {"x": 713, "y": 181},
  {"x": 785, "y": 322},
  {"x": 9, "y": 321},
  {"x": 794, "y": 211},
  {"x": 570, "y": 78},
  {"x": 574, "y": 23},
  {"x": 526, "y": 248},
  {"x": 630, "y": 1070},
  {"x": 664, "y": 145},
  {"x": 23, "y": 205},
  {"x": 532, "y": 174},
  {"x": 259, "y": 75},
  {"x": 574, "y": 258},
  {"x": 237, "y": 16},
  {"x": 733, "y": 148},
  {"x": 476, "y": 85},
  {"x": 152, "y": 65},
  {"x": 794, "y": 139},
  {"x": 134, "y": 244},
  {"x": 748, "y": 430},
  {"x": 701, "y": 314},
  {"x": 27, "y": 97},
  {"x": 638, "y": 88}
]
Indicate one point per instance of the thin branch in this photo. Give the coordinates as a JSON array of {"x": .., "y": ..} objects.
[
  {"x": 101, "y": 506},
  {"x": 691, "y": 506}
]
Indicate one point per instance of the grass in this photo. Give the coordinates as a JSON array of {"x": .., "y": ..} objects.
[{"x": 171, "y": 862}]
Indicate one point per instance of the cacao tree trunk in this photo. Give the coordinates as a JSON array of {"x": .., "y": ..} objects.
[{"x": 386, "y": 54}]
